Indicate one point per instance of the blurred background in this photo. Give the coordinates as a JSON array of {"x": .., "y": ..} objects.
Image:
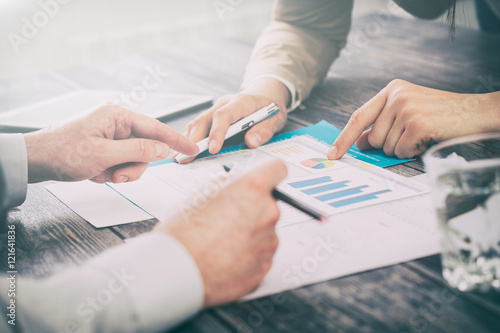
[{"x": 40, "y": 35}]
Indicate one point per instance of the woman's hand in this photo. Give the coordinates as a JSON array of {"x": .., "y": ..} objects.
[
  {"x": 215, "y": 122},
  {"x": 407, "y": 118}
]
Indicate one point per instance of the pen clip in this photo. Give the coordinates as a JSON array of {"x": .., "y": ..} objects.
[
  {"x": 272, "y": 108},
  {"x": 248, "y": 125}
]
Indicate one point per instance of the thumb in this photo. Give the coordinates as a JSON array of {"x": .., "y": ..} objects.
[{"x": 134, "y": 150}]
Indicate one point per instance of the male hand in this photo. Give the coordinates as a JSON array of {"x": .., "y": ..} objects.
[
  {"x": 230, "y": 108},
  {"x": 232, "y": 236},
  {"x": 106, "y": 144},
  {"x": 407, "y": 118}
]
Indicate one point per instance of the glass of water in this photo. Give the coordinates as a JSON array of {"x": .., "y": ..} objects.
[{"x": 464, "y": 175}]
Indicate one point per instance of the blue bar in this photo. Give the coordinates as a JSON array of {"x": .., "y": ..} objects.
[
  {"x": 324, "y": 188},
  {"x": 310, "y": 182},
  {"x": 359, "y": 198},
  {"x": 340, "y": 194}
]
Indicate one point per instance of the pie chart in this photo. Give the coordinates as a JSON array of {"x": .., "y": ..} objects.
[{"x": 318, "y": 163}]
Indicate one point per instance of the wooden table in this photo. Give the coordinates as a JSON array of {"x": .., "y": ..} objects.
[{"x": 409, "y": 297}]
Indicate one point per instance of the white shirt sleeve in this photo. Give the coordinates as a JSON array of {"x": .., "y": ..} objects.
[
  {"x": 149, "y": 284},
  {"x": 294, "y": 100},
  {"x": 14, "y": 161}
]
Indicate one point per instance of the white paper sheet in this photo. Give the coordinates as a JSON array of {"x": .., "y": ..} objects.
[
  {"x": 396, "y": 226},
  {"x": 352, "y": 242},
  {"x": 98, "y": 203},
  {"x": 163, "y": 189}
]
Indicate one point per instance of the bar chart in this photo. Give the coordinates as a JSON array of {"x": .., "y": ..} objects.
[{"x": 346, "y": 189}]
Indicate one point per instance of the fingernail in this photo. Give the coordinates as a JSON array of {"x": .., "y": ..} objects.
[
  {"x": 255, "y": 140},
  {"x": 121, "y": 179},
  {"x": 332, "y": 153},
  {"x": 212, "y": 145},
  {"x": 158, "y": 149}
]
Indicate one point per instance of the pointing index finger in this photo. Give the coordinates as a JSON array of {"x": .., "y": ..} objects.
[
  {"x": 359, "y": 121},
  {"x": 149, "y": 128}
]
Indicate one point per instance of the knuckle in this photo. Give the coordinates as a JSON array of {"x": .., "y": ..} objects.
[
  {"x": 265, "y": 263},
  {"x": 396, "y": 83},
  {"x": 121, "y": 114},
  {"x": 401, "y": 153},
  {"x": 244, "y": 98},
  {"x": 222, "y": 119},
  {"x": 249, "y": 102},
  {"x": 357, "y": 116},
  {"x": 117, "y": 109},
  {"x": 275, "y": 243},
  {"x": 202, "y": 118},
  {"x": 196, "y": 120},
  {"x": 187, "y": 127},
  {"x": 106, "y": 108},
  {"x": 401, "y": 96},
  {"x": 275, "y": 213},
  {"x": 142, "y": 148},
  {"x": 156, "y": 128},
  {"x": 220, "y": 114},
  {"x": 267, "y": 266},
  {"x": 193, "y": 124},
  {"x": 225, "y": 98},
  {"x": 401, "y": 93},
  {"x": 376, "y": 141},
  {"x": 388, "y": 151},
  {"x": 417, "y": 124},
  {"x": 405, "y": 112},
  {"x": 220, "y": 102}
]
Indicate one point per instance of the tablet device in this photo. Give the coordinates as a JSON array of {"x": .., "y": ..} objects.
[{"x": 42, "y": 114}]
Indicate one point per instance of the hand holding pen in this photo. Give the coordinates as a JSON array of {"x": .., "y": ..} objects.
[
  {"x": 237, "y": 127},
  {"x": 303, "y": 207}
]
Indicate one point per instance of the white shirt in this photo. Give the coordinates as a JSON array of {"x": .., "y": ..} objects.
[
  {"x": 14, "y": 162},
  {"x": 149, "y": 284}
]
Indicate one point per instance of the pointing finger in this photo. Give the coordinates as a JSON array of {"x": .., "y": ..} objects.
[
  {"x": 359, "y": 121},
  {"x": 133, "y": 150},
  {"x": 149, "y": 128}
]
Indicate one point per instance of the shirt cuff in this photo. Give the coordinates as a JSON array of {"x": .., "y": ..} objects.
[
  {"x": 164, "y": 283},
  {"x": 294, "y": 101},
  {"x": 14, "y": 161}
]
